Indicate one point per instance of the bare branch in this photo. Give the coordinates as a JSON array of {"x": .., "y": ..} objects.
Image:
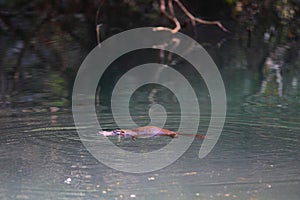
[
  {"x": 195, "y": 19},
  {"x": 173, "y": 18},
  {"x": 162, "y": 8},
  {"x": 170, "y": 17},
  {"x": 171, "y": 8},
  {"x": 97, "y": 21},
  {"x": 98, "y": 34},
  {"x": 186, "y": 12}
]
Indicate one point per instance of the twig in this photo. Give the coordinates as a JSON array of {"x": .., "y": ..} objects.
[
  {"x": 195, "y": 19},
  {"x": 98, "y": 25},
  {"x": 173, "y": 18},
  {"x": 98, "y": 34},
  {"x": 170, "y": 4},
  {"x": 170, "y": 17}
]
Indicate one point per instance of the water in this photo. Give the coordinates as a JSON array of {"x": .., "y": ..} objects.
[
  {"x": 256, "y": 157},
  {"x": 43, "y": 157}
]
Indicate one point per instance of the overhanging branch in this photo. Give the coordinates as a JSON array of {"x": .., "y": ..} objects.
[{"x": 173, "y": 18}]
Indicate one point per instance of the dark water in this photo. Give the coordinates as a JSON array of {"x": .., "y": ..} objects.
[{"x": 256, "y": 157}]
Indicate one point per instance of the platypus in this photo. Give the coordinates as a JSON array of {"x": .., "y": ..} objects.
[{"x": 146, "y": 131}]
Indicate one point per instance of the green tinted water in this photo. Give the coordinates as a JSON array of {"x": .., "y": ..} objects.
[{"x": 256, "y": 157}]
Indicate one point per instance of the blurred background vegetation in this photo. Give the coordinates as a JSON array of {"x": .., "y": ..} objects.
[{"x": 43, "y": 42}]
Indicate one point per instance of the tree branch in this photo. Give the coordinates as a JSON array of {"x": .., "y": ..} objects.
[
  {"x": 169, "y": 16},
  {"x": 173, "y": 18},
  {"x": 97, "y": 21},
  {"x": 195, "y": 19}
]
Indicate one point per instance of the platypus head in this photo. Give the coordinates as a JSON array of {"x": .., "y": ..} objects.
[{"x": 119, "y": 132}]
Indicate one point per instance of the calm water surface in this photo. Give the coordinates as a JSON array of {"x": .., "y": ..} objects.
[{"x": 256, "y": 157}]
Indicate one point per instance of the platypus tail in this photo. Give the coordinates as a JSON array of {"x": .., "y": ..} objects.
[{"x": 199, "y": 136}]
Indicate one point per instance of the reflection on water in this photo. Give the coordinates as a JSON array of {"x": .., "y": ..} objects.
[{"x": 256, "y": 157}]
